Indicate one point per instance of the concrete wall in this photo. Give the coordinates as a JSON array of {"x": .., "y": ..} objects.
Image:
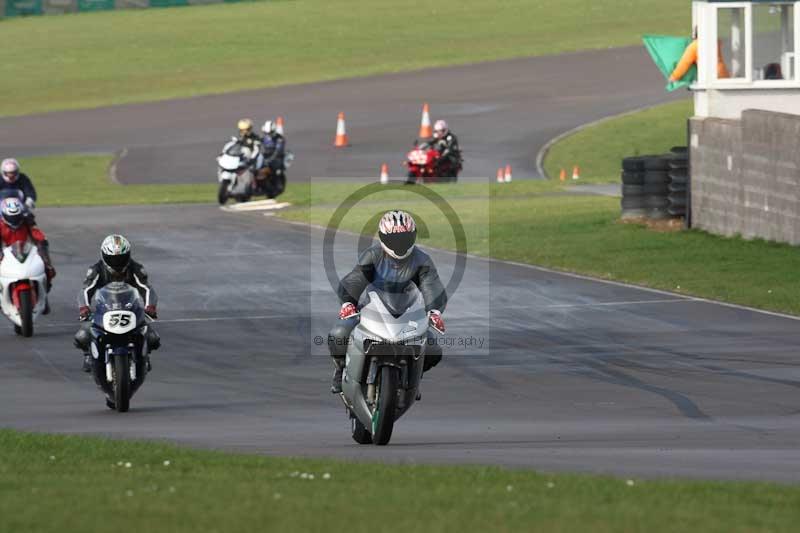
[{"x": 746, "y": 176}]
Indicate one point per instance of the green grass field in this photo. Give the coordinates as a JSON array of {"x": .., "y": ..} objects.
[
  {"x": 74, "y": 484},
  {"x": 103, "y": 58},
  {"x": 599, "y": 149}
]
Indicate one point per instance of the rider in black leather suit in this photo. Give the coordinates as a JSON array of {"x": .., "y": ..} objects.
[{"x": 390, "y": 266}]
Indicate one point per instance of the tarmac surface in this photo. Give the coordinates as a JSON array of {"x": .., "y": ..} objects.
[
  {"x": 544, "y": 370},
  {"x": 502, "y": 112},
  {"x": 572, "y": 374}
]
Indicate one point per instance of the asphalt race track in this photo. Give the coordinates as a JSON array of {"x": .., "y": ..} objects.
[
  {"x": 572, "y": 374},
  {"x": 503, "y": 113}
]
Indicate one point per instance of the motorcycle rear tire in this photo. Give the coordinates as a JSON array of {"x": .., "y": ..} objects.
[
  {"x": 387, "y": 406},
  {"x": 358, "y": 431},
  {"x": 26, "y": 313},
  {"x": 122, "y": 382},
  {"x": 222, "y": 193}
]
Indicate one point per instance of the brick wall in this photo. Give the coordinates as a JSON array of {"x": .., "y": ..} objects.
[{"x": 746, "y": 176}]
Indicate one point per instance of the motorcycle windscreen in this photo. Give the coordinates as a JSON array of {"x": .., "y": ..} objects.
[
  {"x": 21, "y": 250},
  {"x": 394, "y": 315},
  {"x": 118, "y": 296}
]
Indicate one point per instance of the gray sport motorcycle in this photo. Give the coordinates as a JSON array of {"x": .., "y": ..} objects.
[{"x": 385, "y": 358}]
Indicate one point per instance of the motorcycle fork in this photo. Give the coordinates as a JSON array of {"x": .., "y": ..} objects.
[{"x": 372, "y": 376}]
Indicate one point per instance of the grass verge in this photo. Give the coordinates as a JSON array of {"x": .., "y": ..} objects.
[
  {"x": 85, "y": 485},
  {"x": 105, "y": 58},
  {"x": 540, "y": 223},
  {"x": 83, "y": 180},
  {"x": 599, "y": 149}
]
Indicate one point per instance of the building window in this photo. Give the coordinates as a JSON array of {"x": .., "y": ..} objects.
[
  {"x": 732, "y": 44},
  {"x": 773, "y": 42}
]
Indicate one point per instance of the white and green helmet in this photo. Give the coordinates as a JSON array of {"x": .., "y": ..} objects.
[{"x": 116, "y": 251}]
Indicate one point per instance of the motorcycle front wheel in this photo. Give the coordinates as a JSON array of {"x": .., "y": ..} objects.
[
  {"x": 383, "y": 417},
  {"x": 122, "y": 382},
  {"x": 26, "y": 313},
  {"x": 222, "y": 193}
]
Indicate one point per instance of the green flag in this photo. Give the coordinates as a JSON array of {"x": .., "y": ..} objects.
[{"x": 666, "y": 51}]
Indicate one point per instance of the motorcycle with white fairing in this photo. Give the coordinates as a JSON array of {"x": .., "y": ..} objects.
[
  {"x": 24, "y": 286},
  {"x": 235, "y": 172},
  {"x": 384, "y": 362}
]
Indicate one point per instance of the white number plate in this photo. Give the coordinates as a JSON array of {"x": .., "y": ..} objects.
[{"x": 119, "y": 322}]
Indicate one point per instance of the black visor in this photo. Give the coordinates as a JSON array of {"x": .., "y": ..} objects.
[
  {"x": 399, "y": 243},
  {"x": 117, "y": 262}
]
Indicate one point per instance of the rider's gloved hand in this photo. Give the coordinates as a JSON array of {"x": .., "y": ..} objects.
[
  {"x": 348, "y": 310},
  {"x": 150, "y": 311},
  {"x": 436, "y": 320},
  {"x": 83, "y": 312}
]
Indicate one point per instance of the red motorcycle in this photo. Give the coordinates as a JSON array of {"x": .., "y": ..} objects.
[{"x": 425, "y": 165}]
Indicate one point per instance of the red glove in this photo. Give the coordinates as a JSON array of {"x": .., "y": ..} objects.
[
  {"x": 150, "y": 311},
  {"x": 437, "y": 322},
  {"x": 348, "y": 310},
  {"x": 83, "y": 312}
]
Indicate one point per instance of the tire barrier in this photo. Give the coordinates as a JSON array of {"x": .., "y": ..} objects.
[{"x": 655, "y": 186}]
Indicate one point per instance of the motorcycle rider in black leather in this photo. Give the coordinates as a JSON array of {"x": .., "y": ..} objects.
[
  {"x": 274, "y": 150},
  {"x": 116, "y": 265},
  {"x": 392, "y": 266},
  {"x": 446, "y": 143}
]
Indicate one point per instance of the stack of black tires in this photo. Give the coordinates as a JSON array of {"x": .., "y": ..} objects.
[{"x": 654, "y": 186}]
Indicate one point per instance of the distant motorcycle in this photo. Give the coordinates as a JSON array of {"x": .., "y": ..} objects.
[
  {"x": 271, "y": 181},
  {"x": 384, "y": 364},
  {"x": 235, "y": 173},
  {"x": 119, "y": 343},
  {"x": 425, "y": 165},
  {"x": 24, "y": 286}
]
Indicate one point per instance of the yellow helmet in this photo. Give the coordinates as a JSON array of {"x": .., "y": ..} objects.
[{"x": 245, "y": 126}]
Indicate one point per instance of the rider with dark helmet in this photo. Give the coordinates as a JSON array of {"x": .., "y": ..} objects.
[
  {"x": 116, "y": 265},
  {"x": 395, "y": 263},
  {"x": 273, "y": 145}
]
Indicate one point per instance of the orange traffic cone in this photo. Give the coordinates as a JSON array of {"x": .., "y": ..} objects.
[
  {"x": 507, "y": 175},
  {"x": 341, "y": 133},
  {"x": 576, "y": 172},
  {"x": 501, "y": 177},
  {"x": 384, "y": 174},
  {"x": 279, "y": 125},
  {"x": 563, "y": 175},
  {"x": 425, "y": 130}
]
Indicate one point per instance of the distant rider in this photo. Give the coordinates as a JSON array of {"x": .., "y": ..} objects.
[
  {"x": 250, "y": 140},
  {"x": 17, "y": 184},
  {"x": 16, "y": 227},
  {"x": 393, "y": 264},
  {"x": 446, "y": 143},
  {"x": 116, "y": 265},
  {"x": 274, "y": 150}
]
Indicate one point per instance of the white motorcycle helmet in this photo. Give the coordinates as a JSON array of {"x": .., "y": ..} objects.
[
  {"x": 269, "y": 127},
  {"x": 440, "y": 129},
  {"x": 397, "y": 232},
  {"x": 10, "y": 170}
]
